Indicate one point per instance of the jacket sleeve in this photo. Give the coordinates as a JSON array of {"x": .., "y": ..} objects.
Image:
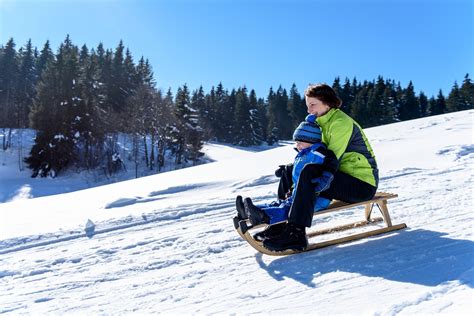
[
  {"x": 330, "y": 163},
  {"x": 328, "y": 167},
  {"x": 339, "y": 136}
]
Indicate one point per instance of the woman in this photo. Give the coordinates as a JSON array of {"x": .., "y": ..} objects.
[{"x": 355, "y": 180}]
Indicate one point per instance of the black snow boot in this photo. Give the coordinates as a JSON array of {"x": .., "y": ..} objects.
[
  {"x": 239, "y": 205},
  {"x": 255, "y": 214},
  {"x": 293, "y": 237},
  {"x": 271, "y": 231}
]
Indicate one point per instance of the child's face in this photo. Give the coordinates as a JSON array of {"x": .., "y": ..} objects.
[{"x": 302, "y": 145}]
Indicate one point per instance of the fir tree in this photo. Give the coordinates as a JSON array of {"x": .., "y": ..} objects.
[
  {"x": 8, "y": 85},
  {"x": 221, "y": 115},
  {"x": 454, "y": 101},
  {"x": 272, "y": 121},
  {"x": 227, "y": 117},
  {"x": 25, "y": 90},
  {"x": 90, "y": 123},
  {"x": 467, "y": 93},
  {"x": 347, "y": 96},
  {"x": 211, "y": 118},
  {"x": 409, "y": 106},
  {"x": 187, "y": 129},
  {"x": 296, "y": 110},
  {"x": 262, "y": 117},
  {"x": 359, "y": 109},
  {"x": 198, "y": 102},
  {"x": 45, "y": 58},
  {"x": 256, "y": 123},
  {"x": 439, "y": 107},
  {"x": 279, "y": 117},
  {"x": 243, "y": 133},
  {"x": 55, "y": 114},
  {"x": 424, "y": 105}
]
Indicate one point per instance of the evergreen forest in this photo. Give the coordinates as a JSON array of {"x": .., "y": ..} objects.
[{"x": 79, "y": 99}]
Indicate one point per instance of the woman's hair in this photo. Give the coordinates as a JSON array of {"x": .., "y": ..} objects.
[{"x": 323, "y": 93}]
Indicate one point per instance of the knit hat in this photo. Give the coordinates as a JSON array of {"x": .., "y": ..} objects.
[{"x": 308, "y": 131}]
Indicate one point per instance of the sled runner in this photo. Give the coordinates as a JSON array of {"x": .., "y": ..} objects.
[{"x": 246, "y": 230}]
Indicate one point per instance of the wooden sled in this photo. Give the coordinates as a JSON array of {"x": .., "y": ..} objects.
[{"x": 245, "y": 229}]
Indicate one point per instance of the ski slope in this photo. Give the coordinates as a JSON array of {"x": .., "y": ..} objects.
[{"x": 166, "y": 243}]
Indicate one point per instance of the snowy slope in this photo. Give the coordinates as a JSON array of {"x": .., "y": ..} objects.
[{"x": 166, "y": 243}]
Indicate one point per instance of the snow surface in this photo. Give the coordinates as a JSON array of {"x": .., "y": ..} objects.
[{"x": 166, "y": 243}]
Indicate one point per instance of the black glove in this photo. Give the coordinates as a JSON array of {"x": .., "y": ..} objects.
[{"x": 280, "y": 170}]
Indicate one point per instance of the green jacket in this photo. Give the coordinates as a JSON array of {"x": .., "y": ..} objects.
[{"x": 346, "y": 139}]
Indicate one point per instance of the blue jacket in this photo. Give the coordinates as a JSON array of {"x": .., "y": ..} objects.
[
  {"x": 278, "y": 211},
  {"x": 306, "y": 156}
]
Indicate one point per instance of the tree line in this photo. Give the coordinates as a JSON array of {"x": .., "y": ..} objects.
[{"x": 79, "y": 100}]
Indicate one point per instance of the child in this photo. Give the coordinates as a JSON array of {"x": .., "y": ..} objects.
[{"x": 310, "y": 151}]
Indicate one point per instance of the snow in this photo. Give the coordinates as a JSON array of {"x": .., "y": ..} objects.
[{"x": 166, "y": 244}]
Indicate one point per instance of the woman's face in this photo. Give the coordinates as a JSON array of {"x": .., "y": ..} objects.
[{"x": 316, "y": 107}]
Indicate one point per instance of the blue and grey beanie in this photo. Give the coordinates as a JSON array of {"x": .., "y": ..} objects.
[{"x": 308, "y": 131}]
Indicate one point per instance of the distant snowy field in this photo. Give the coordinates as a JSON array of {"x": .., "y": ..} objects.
[{"x": 165, "y": 243}]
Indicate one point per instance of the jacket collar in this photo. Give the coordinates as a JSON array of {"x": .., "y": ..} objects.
[
  {"x": 322, "y": 120},
  {"x": 310, "y": 148}
]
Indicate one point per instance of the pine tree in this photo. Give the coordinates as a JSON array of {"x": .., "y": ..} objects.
[
  {"x": 347, "y": 96},
  {"x": 25, "y": 89},
  {"x": 211, "y": 116},
  {"x": 187, "y": 129},
  {"x": 221, "y": 113},
  {"x": 165, "y": 126},
  {"x": 296, "y": 110},
  {"x": 8, "y": 84},
  {"x": 424, "y": 105},
  {"x": 131, "y": 78},
  {"x": 243, "y": 133},
  {"x": 467, "y": 93},
  {"x": 227, "y": 117},
  {"x": 359, "y": 109},
  {"x": 376, "y": 105},
  {"x": 90, "y": 124},
  {"x": 409, "y": 106},
  {"x": 272, "y": 121},
  {"x": 256, "y": 114},
  {"x": 144, "y": 73},
  {"x": 45, "y": 58},
  {"x": 55, "y": 114},
  {"x": 279, "y": 118},
  {"x": 117, "y": 84},
  {"x": 454, "y": 101},
  {"x": 139, "y": 111},
  {"x": 439, "y": 107},
  {"x": 198, "y": 102}
]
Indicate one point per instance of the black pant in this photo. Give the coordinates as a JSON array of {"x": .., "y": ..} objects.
[{"x": 343, "y": 187}]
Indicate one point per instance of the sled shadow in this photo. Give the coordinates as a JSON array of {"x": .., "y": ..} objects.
[{"x": 419, "y": 256}]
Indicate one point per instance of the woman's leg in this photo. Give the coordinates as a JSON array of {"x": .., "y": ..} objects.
[
  {"x": 348, "y": 189},
  {"x": 301, "y": 211},
  {"x": 343, "y": 187}
]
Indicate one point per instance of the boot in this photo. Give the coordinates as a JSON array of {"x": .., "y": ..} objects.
[
  {"x": 239, "y": 205},
  {"x": 256, "y": 215},
  {"x": 293, "y": 237},
  {"x": 271, "y": 231}
]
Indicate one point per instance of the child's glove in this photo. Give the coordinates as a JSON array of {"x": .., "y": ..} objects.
[
  {"x": 323, "y": 182},
  {"x": 281, "y": 169}
]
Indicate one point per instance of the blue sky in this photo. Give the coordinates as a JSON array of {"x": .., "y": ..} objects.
[{"x": 264, "y": 43}]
